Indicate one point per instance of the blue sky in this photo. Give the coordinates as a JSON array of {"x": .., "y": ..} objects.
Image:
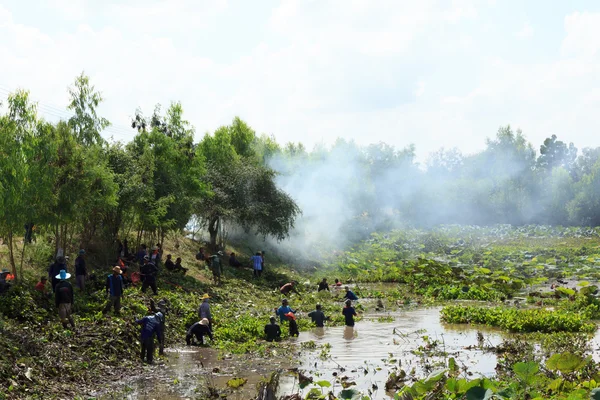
[{"x": 433, "y": 73}]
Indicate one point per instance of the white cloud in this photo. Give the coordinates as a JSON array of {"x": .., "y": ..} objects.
[
  {"x": 525, "y": 32},
  {"x": 583, "y": 34},
  {"x": 400, "y": 72}
]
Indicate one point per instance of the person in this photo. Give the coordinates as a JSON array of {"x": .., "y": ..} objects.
[
  {"x": 4, "y": 285},
  {"x": 63, "y": 297},
  {"x": 80, "y": 270},
  {"x": 323, "y": 285},
  {"x": 216, "y": 267},
  {"x": 141, "y": 254},
  {"x": 28, "y": 232},
  {"x": 156, "y": 255},
  {"x": 337, "y": 282},
  {"x": 54, "y": 270},
  {"x": 318, "y": 317},
  {"x": 114, "y": 289},
  {"x": 272, "y": 330},
  {"x": 41, "y": 285},
  {"x": 233, "y": 262},
  {"x": 204, "y": 310},
  {"x": 283, "y": 309},
  {"x": 199, "y": 330},
  {"x": 293, "y": 325},
  {"x": 350, "y": 294},
  {"x": 349, "y": 313},
  {"x": 148, "y": 271},
  {"x": 169, "y": 264},
  {"x": 288, "y": 287},
  {"x": 257, "y": 264},
  {"x": 200, "y": 255},
  {"x": 151, "y": 326},
  {"x": 179, "y": 267},
  {"x": 163, "y": 308},
  {"x": 120, "y": 252}
]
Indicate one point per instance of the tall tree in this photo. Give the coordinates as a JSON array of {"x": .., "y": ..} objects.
[
  {"x": 86, "y": 123},
  {"x": 555, "y": 153}
]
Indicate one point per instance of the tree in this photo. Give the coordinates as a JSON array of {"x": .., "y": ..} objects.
[
  {"x": 85, "y": 100},
  {"x": 555, "y": 153}
]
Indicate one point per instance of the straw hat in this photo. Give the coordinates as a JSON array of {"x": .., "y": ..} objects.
[
  {"x": 204, "y": 321},
  {"x": 205, "y": 296},
  {"x": 117, "y": 269}
]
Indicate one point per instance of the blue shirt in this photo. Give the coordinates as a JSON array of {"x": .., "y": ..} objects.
[
  {"x": 350, "y": 295},
  {"x": 150, "y": 326},
  {"x": 114, "y": 284},
  {"x": 282, "y": 310},
  {"x": 257, "y": 262}
]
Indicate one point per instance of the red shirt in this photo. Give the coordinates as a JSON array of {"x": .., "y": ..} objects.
[{"x": 40, "y": 286}]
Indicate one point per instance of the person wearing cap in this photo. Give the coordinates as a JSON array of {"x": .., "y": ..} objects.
[
  {"x": 114, "y": 289},
  {"x": 288, "y": 287},
  {"x": 292, "y": 324},
  {"x": 318, "y": 317},
  {"x": 257, "y": 264},
  {"x": 151, "y": 326},
  {"x": 63, "y": 297},
  {"x": 54, "y": 270},
  {"x": 272, "y": 330},
  {"x": 216, "y": 266},
  {"x": 80, "y": 270},
  {"x": 148, "y": 272},
  {"x": 199, "y": 330},
  {"x": 283, "y": 309}
]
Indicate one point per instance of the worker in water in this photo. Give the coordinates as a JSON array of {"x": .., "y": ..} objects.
[
  {"x": 272, "y": 330},
  {"x": 151, "y": 326},
  {"x": 349, "y": 313},
  {"x": 318, "y": 317},
  {"x": 350, "y": 294},
  {"x": 199, "y": 330}
]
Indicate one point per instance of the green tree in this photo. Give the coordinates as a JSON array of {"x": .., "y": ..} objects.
[
  {"x": 555, "y": 153},
  {"x": 86, "y": 123}
]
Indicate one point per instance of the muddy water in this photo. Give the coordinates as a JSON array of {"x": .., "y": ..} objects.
[{"x": 367, "y": 353}]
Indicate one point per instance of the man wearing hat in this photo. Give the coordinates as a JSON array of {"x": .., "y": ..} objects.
[
  {"x": 80, "y": 270},
  {"x": 204, "y": 310},
  {"x": 114, "y": 289},
  {"x": 63, "y": 296},
  {"x": 199, "y": 329},
  {"x": 148, "y": 271}
]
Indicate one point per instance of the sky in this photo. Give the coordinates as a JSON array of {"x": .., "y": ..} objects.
[{"x": 430, "y": 73}]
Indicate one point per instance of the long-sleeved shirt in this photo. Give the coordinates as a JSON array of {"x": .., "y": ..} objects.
[
  {"x": 282, "y": 310},
  {"x": 215, "y": 264},
  {"x": 257, "y": 262},
  {"x": 323, "y": 286},
  {"x": 80, "y": 266},
  {"x": 63, "y": 293},
  {"x": 114, "y": 285},
  {"x": 317, "y": 317},
  {"x": 198, "y": 329},
  {"x": 204, "y": 311},
  {"x": 55, "y": 269},
  {"x": 350, "y": 295},
  {"x": 151, "y": 325}
]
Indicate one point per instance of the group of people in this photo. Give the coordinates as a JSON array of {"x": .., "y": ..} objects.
[{"x": 288, "y": 315}]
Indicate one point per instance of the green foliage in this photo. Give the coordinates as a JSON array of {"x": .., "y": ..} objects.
[{"x": 515, "y": 320}]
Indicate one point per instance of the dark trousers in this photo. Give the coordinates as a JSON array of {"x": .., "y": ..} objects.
[
  {"x": 257, "y": 273},
  {"x": 148, "y": 349},
  {"x": 151, "y": 283}
]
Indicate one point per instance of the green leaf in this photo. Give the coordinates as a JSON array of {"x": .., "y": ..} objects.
[
  {"x": 565, "y": 363},
  {"x": 323, "y": 383},
  {"x": 526, "y": 371},
  {"x": 479, "y": 393}
]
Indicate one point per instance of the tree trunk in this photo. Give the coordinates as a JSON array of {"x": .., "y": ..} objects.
[
  {"x": 11, "y": 254},
  {"x": 213, "y": 230}
]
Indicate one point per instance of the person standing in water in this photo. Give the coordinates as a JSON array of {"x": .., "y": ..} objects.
[{"x": 349, "y": 313}]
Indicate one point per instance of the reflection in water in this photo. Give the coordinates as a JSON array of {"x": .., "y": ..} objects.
[
  {"x": 318, "y": 332},
  {"x": 349, "y": 332}
]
